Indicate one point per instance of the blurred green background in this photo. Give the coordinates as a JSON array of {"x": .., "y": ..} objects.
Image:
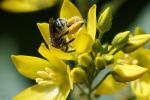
[{"x": 20, "y": 35}]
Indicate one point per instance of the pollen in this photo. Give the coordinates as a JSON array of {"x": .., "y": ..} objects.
[
  {"x": 135, "y": 61},
  {"x": 48, "y": 77}
]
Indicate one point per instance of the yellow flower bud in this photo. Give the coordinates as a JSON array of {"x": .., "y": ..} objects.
[
  {"x": 120, "y": 39},
  {"x": 109, "y": 59},
  {"x": 100, "y": 62},
  {"x": 136, "y": 42},
  {"x": 105, "y": 21},
  {"x": 84, "y": 60},
  {"x": 78, "y": 75},
  {"x": 126, "y": 73}
]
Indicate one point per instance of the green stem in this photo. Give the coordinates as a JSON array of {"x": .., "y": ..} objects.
[
  {"x": 100, "y": 81},
  {"x": 90, "y": 92},
  {"x": 82, "y": 90},
  {"x": 100, "y": 35}
]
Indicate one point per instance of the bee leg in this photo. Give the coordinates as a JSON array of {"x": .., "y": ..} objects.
[
  {"x": 70, "y": 41},
  {"x": 63, "y": 35},
  {"x": 66, "y": 49},
  {"x": 71, "y": 51},
  {"x": 67, "y": 46}
]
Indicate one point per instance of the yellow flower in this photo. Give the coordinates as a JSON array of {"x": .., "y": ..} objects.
[
  {"x": 109, "y": 86},
  {"x": 52, "y": 76},
  {"x": 84, "y": 38},
  {"x": 26, "y": 5},
  {"x": 139, "y": 58},
  {"x": 141, "y": 86}
]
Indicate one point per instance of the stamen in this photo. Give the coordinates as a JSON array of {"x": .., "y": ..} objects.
[
  {"x": 44, "y": 83},
  {"x": 42, "y": 74},
  {"x": 48, "y": 77}
]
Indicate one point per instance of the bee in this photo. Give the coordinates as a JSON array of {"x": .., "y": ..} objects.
[{"x": 59, "y": 28}]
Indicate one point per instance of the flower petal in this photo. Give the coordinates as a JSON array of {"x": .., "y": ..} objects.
[
  {"x": 44, "y": 29},
  {"x": 58, "y": 53},
  {"x": 61, "y": 54},
  {"x": 38, "y": 92},
  {"x": 83, "y": 43},
  {"x": 142, "y": 55},
  {"x": 18, "y": 6},
  {"x": 23, "y": 6},
  {"x": 91, "y": 23},
  {"x": 109, "y": 84},
  {"x": 69, "y": 10},
  {"x": 29, "y": 65},
  {"x": 141, "y": 87},
  {"x": 54, "y": 61}
]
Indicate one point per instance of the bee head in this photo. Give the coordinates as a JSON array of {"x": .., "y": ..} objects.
[{"x": 60, "y": 24}]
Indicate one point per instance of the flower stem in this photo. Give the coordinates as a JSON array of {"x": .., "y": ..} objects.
[
  {"x": 100, "y": 35},
  {"x": 100, "y": 81},
  {"x": 82, "y": 90}
]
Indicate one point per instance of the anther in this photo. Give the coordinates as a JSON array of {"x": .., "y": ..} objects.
[
  {"x": 42, "y": 74},
  {"x": 44, "y": 83}
]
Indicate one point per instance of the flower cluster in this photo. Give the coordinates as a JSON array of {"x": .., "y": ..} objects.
[{"x": 70, "y": 39}]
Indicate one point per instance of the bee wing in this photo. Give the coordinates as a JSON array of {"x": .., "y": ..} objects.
[{"x": 52, "y": 33}]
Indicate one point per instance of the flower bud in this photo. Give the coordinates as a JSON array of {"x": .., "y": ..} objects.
[
  {"x": 138, "y": 31},
  {"x": 96, "y": 46},
  {"x": 99, "y": 62},
  {"x": 78, "y": 75},
  {"x": 126, "y": 73},
  {"x": 105, "y": 21},
  {"x": 84, "y": 60},
  {"x": 120, "y": 40},
  {"x": 136, "y": 42},
  {"x": 109, "y": 59},
  {"x": 104, "y": 48}
]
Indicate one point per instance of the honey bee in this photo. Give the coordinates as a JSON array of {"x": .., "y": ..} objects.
[{"x": 59, "y": 28}]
